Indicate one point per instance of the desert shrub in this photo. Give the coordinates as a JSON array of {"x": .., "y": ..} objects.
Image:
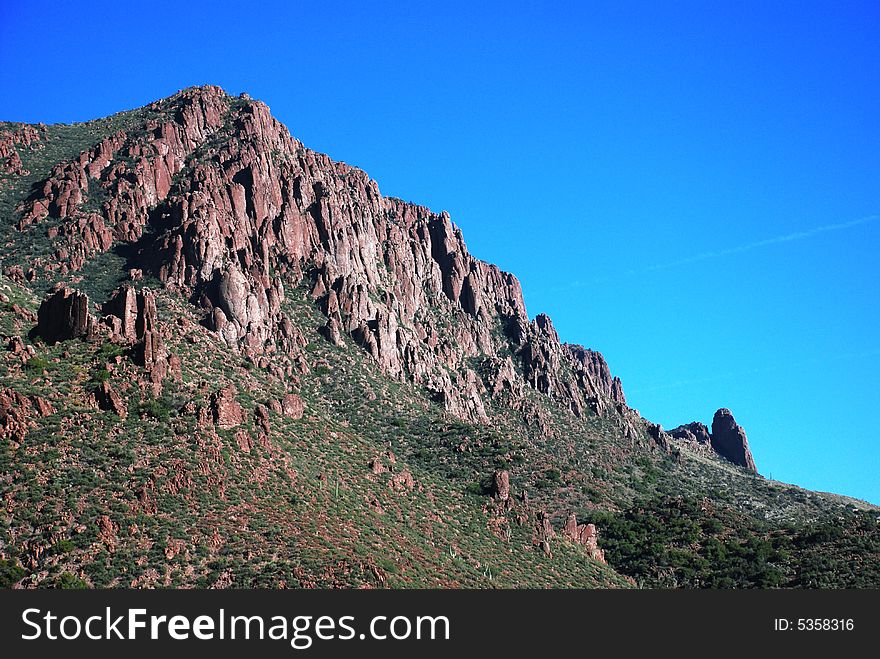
[
  {"x": 68, "y": 581},
  {"x": 157, "y": 408},
  {"x": 37, "y": 363},
  {"x": 101, "y": 375},
  {"x": 10, "y": 573}
]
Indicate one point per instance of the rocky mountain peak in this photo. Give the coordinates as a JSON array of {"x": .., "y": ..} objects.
[{"x": 223, "y": 206}]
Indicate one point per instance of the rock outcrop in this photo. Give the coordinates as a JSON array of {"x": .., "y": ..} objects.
[
  {"x": 11, "y": 141},
  {"x": 729, "y": 440},
  {"x": 226, "y": 412},
  {"x": 238, "y": 209},
  {"x": 500, "y": 486},
  {"x": 543, "y": 533},
  {"x": 261, "y": 418},
  {"x": 133, "y": 318},
  {"x": 584, "y": 534},
  {"x": 124, "y": 309},
  {"x": 293, "y": 406},
  {"x": 660, "y": 436},
  {"x": 151, "y": 352},
  {"x": 64, "y": 315},
  {"x": 697, "y": 433},
  {"x": 107, "y": 398}
]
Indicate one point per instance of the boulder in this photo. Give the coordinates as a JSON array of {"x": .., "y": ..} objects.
[{"x": 293, "y": 406}]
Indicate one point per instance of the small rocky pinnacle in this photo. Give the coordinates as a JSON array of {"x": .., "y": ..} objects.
[{"x": 729, "y": 440}]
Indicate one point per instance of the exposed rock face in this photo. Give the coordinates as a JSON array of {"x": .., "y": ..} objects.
[
  {"x": 543, "y": 532},
  {"x": 584, "y": 534},
  {"x": 378, "y": 466},
  {"x": 402, "y": 481},
  {"x": 261, "y": 418},
  {"x": 107, "y": 529},
  {"x": 225, "y": 410},
  {"x": 125, "y": 307},
  {"x": 332, "y": 332},
  {"x": 660, "y": 436},
  {"x": 595, "y": 379},
  {"x": 14, "y": 417},
  {"x": 729, "y": 440},
  {"x": 696, "y": 433},
  {"x": 64, "y": 315},
  {"x": 501, "y": 485},
  {"x": 255, "y": 208},
  {"x": 546, "y": 364},
  {"x": 133, "y": 318},
  {"x": 293, "y": 406},
  {"x": 173, "y": 131},
  {"x": 153, "y": 354}
]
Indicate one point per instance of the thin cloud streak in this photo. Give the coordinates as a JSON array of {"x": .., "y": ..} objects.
[
  {"x": 677, "y": 384},
  {"x": 705, "y": 256},
  {"x": 798, "y": 235}
]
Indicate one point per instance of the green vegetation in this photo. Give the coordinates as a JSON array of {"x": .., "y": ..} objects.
[
  {"x": 10, "y": 573},
  {"x": 68, "y": 581},
  {"x": 37, "y": 364},
  {"x": 675, "y": 542}
]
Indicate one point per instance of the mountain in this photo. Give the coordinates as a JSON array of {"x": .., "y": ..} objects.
[{"x": 232, "y": 362}]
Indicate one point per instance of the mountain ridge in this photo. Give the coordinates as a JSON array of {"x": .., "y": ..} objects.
[
  {"x": 233, "y": 287},
  {"x": 244, "y": 304}
]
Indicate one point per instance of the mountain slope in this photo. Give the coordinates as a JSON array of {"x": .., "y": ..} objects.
[{"x": 283, "y": 378}]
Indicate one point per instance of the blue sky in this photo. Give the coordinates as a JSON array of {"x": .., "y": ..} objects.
[{"x": 689, "y": 187}]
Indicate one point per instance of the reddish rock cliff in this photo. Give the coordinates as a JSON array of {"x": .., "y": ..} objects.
[{"x": 237, "y": 207}]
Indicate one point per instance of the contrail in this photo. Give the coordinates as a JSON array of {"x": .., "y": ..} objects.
[
  {"x": 676, "y": 384},
  {"x": 704, "y": 256},
  {"x": 787, "y": 238}
]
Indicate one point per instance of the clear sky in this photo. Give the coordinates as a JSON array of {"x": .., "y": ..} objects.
[{"x": 690, "y": 187}]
